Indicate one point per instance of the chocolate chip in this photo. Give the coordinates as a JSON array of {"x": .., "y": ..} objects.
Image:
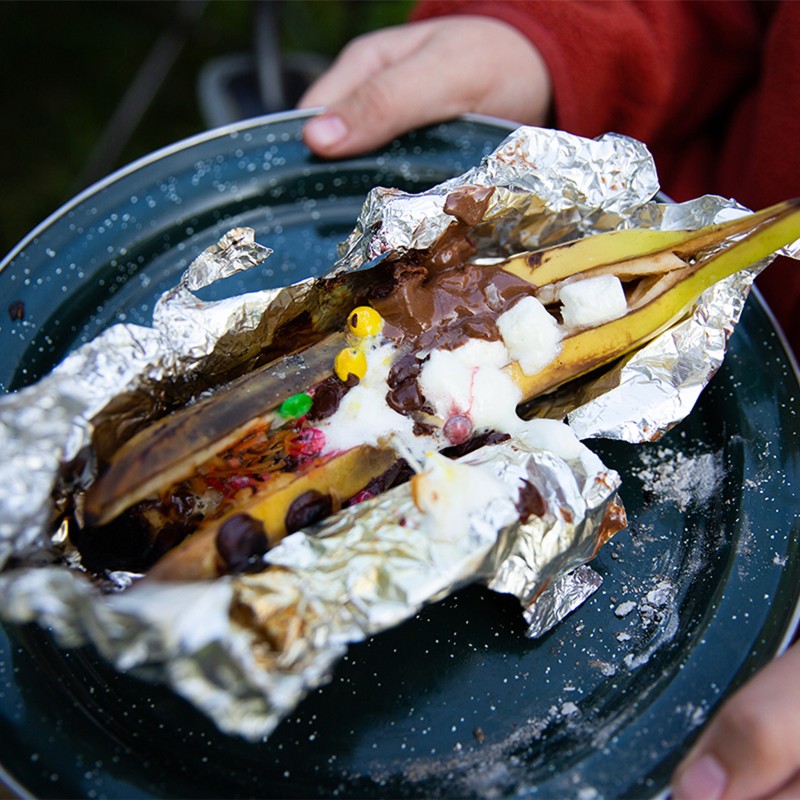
[
  {"x": 481, "y": 440},
  {"x": 404, "y": 368},
  {"x": 241, "y": 541},
  {"x": 310, "y": 507},
  {"x": 328, "y": 395},
  {"x": 405, "y": 397}
]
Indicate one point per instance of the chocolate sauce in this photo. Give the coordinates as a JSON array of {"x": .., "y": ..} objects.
[
  {"x": 530, "y": 502},
  {"x": 468, "y": 204},
  {"x": 440, "y": 300},
  {"x": 399, "y": 472},
  {"x": 444, "y": 305},
  {"x": 405, "y": 397},
  {"x": 476, "y": 442}
]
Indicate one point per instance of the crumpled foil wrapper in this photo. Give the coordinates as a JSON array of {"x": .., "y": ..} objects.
[
  {"x": 370, "y": 567},
  {"x": 548, "y": 187}
]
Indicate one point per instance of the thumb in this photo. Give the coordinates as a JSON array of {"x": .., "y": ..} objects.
[
  {"x": 751, "y": 748},
  {"x": 355, "y": 125},
  {"x": 362, "y": 93},
  {"x": 423, "y": 73}
]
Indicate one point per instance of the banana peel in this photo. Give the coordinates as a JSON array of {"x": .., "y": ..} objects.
[
  {"x": 172, "y": 448},
  {"x": 664, "y": 273},
  {"x": 685, "y": 265}
]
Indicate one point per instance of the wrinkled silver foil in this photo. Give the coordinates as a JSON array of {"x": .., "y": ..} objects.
[
  {"x": 548, "y": 187},
  {"x": 370, "y": 567}
]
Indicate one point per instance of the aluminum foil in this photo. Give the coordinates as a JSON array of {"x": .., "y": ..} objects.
[
  {"x": 370, "y": 567},
  {"x": 548, "y": 187}
]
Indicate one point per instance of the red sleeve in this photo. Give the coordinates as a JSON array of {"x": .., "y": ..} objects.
[{"x": 652, "y": 70}]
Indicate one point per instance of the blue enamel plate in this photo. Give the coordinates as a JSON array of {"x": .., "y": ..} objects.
[{"x": 699, "y": 592}]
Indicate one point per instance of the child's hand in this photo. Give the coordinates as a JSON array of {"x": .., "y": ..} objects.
[{"x": 390, "y": 81}]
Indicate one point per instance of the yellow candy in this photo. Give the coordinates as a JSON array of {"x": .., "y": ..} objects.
[
  {"x": 350, "y": 362},
  {"x": 364, "y": 321}
]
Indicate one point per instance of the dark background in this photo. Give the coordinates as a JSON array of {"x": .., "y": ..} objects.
[{"x": 65, "y": 68}]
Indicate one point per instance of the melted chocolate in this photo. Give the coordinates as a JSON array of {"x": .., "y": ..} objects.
[
  {"x": 468, "y": 204},
  {"x": 530, "y": 502},
  {"x": 476, "y": 442},
  {"x": 310, "y": 507},
  {"x": 444, "y": 305},
  {"x": 441, "y": 301},
  {"x": 405, "y": 397},
  {"x": 399, "y": 472},
  {"x": 328, "y": 395},
  {"x": 241, "y": 541}
]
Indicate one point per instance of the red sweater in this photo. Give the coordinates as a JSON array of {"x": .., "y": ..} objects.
[{"x": 710, "y": 85}]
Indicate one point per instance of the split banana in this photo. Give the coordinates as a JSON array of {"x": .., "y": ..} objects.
[
  {"x": 251, "y": 454},
  {"x": 668, "y": 271}
]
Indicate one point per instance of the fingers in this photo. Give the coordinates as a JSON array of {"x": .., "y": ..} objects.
[
  {"x": 413, "y": 75},
  {"x": 362, "y": 58},
  {"x": 751, "y": 748}
]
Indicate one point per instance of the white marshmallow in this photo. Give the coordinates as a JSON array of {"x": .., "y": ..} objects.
[
  {"x": 592, "y": 301},
  {"x": 470, "y": 380},
  {"x": 531, "y": 334}
]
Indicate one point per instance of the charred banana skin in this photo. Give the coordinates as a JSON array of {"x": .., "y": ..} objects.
[
  {"x": 670, "y": 268},
  {"x": 171, "y": 449}
]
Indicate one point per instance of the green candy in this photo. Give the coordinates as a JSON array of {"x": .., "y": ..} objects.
[{"x": 295, "y": 406}]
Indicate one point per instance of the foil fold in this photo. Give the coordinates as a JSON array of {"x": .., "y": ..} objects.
[{"x": 549, "y": 187}]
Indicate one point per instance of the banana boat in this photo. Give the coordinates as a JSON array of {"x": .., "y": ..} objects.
[{"x": 436, "y": 353}]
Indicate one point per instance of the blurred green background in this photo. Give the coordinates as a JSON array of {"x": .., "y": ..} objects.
[{"x": 65, "y": 68}]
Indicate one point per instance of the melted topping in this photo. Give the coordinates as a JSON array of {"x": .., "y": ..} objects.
[
  {"x": 310, "y": 507},
  {"x": 443, "y": 307},
  {"x": 468, "y": 204},
  {"x": 241, "y": 541},
  {"x": 328, "y": 395},
  {"x": 530, "y": 502},
  {"x": 405, "y": 395}
]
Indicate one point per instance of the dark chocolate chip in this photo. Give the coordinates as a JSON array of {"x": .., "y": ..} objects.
[
  {"x": 328, "y": 395},
  {"x": 405, "y": 397},
  {"x": 241, "y": 541},
  {"x": 310, "y": 507}
]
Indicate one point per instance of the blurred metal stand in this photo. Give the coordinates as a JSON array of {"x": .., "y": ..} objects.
[
  {"x": 229, "y": 88},
  {"x": 243, "y": 85}
]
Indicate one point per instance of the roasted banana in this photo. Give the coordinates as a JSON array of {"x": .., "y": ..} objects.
[{"x": 325, "y": 426}]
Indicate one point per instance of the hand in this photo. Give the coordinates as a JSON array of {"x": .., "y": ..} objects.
[
  {"x": 751, "y": 748},
  {"x": 396, "y": 79}
]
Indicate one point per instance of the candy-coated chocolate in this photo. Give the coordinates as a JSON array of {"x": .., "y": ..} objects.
[
  {"x": 458, "y": 429},
  {"x": 364, "y": 321},
  {"x": 295, "y": 406},
  {"x": 305, "y": 443},
  {"x": 350, "y": 361}
]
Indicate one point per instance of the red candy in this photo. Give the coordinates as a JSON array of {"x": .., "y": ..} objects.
[
  {"x": 458, "y": 429},
  {"x": 305, "y": 443}
]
